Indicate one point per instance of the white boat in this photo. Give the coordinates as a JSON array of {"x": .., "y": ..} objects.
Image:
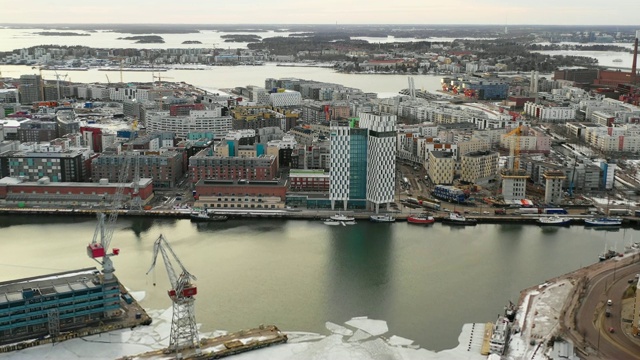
[
  {"x": 455, "y": 218},
  {"x": 332, "y": 222},
  {"x": 386, "y": 218},
  {"x": 554, "y": 220},
  {"x": 604, "y": 221},
  {"x": 340, "y": 217}
]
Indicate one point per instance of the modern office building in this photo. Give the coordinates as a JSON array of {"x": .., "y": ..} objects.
[
  {"x": 54, "y": 303},
  {"x": 381, "y": 157}
]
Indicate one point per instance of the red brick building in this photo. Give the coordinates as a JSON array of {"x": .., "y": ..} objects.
[{"x": 240, "y": 194}]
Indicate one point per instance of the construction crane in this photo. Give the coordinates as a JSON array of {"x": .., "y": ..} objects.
[
  {"x": 39, "y": 68},
  {"x": 184, "y": 332},
  {"x": 98, "y": 249},
  {"x": 58, "y": 76},
  {"x": 514, "y": 149},
  {"x": 108, "y": 81},
  {"x": 160, "y": 77}
]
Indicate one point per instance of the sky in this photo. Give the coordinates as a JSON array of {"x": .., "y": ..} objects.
[{"x": 542, "y": 12}]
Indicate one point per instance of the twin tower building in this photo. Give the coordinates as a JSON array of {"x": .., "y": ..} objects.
[{"x": 363, "y": 162}]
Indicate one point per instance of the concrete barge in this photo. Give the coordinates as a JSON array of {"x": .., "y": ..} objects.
[{"x": 223, "y": 346}]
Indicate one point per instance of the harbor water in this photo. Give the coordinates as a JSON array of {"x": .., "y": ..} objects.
[{"x": 426, "y": 282}]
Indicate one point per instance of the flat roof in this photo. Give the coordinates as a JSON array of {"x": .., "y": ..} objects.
[{"x": 15, "y": 290}]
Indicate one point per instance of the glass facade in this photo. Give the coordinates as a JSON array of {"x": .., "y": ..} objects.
[{"x": 358, "y": 164}]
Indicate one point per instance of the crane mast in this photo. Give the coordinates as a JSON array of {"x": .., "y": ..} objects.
[{"x": 184, "y": 330}]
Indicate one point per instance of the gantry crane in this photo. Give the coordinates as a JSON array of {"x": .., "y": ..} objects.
[{"x": 184, "y": 332}]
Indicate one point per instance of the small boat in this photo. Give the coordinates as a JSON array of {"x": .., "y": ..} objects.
[
  {"x": 421, "y": 219},
  {"x": 203, "y": 216},
  {"x": 603, "y": 222},
  {"x": 554, "y": 221},
  {"x": 386, "y": 218},
  {"x": 455, "y": 218},
  {"x": 332, "y": 222},
  {"x": 617, "y": 60},
  {"x": 340, "y": 217}
]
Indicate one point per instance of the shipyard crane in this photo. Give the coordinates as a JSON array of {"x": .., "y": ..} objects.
[
  {"x": 184, "y": 332},
  {"x": 98, "y": 249}
]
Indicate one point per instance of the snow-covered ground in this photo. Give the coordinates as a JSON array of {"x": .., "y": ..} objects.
[
  {"x": 538, "y": 319},
  {"x": 358, "y": 339}
]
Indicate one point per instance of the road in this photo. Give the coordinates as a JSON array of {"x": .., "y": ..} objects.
[{"x": 591, "y": 320}]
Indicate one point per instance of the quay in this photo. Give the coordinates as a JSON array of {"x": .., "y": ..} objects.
[{"x": 290, "y": 214}]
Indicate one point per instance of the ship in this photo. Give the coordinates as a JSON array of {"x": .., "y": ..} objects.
[
  {"x": 455, "y": 218},
  {"x": 340, "y": 217},
  {"x": 203, "y": 216},
  {"x": 603, "y": 222},
  {"x": 386, "y": 218},
  {"x": 554, "y": 221},
  {"x": 421, "y": 219}
]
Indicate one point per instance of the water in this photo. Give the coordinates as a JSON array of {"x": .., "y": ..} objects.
[
  {"x": 605, "y": 58},
  {"x": 217, "y": 77},
  {"x": 426, "y": 282}
]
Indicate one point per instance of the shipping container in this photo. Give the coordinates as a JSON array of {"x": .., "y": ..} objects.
[{"x": 554, "y": 211}]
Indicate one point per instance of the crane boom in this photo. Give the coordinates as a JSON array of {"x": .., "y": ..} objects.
[{"x": 184, "y": 331}]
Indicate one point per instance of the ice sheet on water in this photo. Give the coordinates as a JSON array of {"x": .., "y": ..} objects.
[
  {"x": 359, "y": 336},
  {"x": 399, "y": 341},
  {"x": 338, "y": 329},
  {"x": 373, "y": 327}
]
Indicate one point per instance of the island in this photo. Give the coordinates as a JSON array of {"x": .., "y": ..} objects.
[
  {"x": 60, "y": 33},
  {"x": 145, "y": 39},
  {"x": 192, "y": 42},
  {"x": 241, "y": 38}
]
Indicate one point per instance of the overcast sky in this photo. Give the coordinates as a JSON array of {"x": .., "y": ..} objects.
[{"x": 553, "y": 12}]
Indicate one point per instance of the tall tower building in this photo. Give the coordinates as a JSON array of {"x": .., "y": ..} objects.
[
  {"x": 553, "y": 193},
  {"x": 381, "y": 157},
  {"x": 348, "y": 173},
  {"x": 30, "y": 89}
]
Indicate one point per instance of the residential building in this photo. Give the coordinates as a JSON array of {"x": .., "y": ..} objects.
[
  {"x": 309, "y": 181},
  {"x": 441, "y": 167},
  {"x": 553, "y": 193},
  {"x": 30, "y": 89},
  {"x": 204, "y": 165},
  {"x": 479, "y": 167},
  {"x": 215, "y": 120},
  {"x": 36, "y": 161},
  {"x": 164, "y": 167}
]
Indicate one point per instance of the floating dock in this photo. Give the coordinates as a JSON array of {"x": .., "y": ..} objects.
[
  {"x": 222, "y": 346},
  {"x": 61, "y": 306}
]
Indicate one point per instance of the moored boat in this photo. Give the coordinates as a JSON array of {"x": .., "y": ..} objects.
[
  {"x": 421, "y": 219},
  {"x": 602, "y": 222},
  {"x": 455, "y": 218},
  {"x": 203, "y": 216},
  {"x": 332, "y": 222},
  {"x": 554, "y": 221},
  {"x": 340, "y": 217},
  {"x": 386, "y": 218}
]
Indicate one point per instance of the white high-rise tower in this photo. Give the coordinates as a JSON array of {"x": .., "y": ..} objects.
[{"x": 381, "y": 157}]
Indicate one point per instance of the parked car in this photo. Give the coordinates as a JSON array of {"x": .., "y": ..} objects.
[
  {"x": 612, "y": 330},
  {"x": 609, "y": 302}
]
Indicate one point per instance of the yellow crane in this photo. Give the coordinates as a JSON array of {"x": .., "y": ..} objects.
[
  {"x": 160, "y": 77},
  {"x": 514, "y": 149}
]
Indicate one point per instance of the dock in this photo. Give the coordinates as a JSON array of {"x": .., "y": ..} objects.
[{"x": 223, "y": 346}]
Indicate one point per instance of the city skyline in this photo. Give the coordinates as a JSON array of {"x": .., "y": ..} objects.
[{"x": 490, "y": 12}]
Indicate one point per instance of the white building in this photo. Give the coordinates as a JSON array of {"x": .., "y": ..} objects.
[
  {"x": 549, "y": 113},
  {"x": 197, "y": 121},
  {"x": 381, "y": 157},
  {"x": 287, "y": 98},
  {"x": 340, "y": 165}
]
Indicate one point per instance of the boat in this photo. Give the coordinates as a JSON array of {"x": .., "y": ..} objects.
[
  {"x": 455, "y": 218},
  {"x": 603, "y": 222},
  {"x": 554, "y": 221},
  {"x": 421, "y": 219},
  {"x": 332, "y": 222},
  {"x": 203, "y": 216},
  {"x": 340, "y": 217},
  {"x": 386, "y": 218},
  {"x": 617, "y": 60}
]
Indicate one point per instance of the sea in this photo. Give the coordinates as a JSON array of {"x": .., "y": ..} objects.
[{"x": 425, "y": 281}]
